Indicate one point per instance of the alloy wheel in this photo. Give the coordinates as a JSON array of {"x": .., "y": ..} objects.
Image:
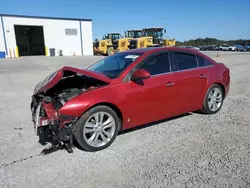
[
  {"x": 99, "y": 129},
  {"x": 215, "y": 99}
]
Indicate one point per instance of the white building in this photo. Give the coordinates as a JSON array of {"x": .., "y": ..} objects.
[{"x": 33, "y": 35}]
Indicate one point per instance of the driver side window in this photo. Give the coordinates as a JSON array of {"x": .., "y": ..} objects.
[{"x": 158, "y": 64}]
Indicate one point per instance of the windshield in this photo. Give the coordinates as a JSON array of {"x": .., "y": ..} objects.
[
  {"x": 154, "y": 33},
  {"x": 115, "y": 36},
  {"x": 113, "y": 66},
  {"x": 134, "y": 34}
]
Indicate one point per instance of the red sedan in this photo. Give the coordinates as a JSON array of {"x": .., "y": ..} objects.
[{"x": 125, "y": 90}]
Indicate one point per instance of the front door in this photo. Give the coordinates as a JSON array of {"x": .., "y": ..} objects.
[{"x": 151, "y": 99}]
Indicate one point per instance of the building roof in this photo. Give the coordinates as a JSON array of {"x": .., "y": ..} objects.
[{"x": 45, "y": 17}]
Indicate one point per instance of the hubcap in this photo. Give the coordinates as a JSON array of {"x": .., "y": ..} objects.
[
  {"x": 99, "y": 129},
  {"x": 214, "y": 99}
]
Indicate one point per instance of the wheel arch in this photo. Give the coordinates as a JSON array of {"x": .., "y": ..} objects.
[
  {"x": 113, "y": 107},
  {"x": 222, "y": 86}
]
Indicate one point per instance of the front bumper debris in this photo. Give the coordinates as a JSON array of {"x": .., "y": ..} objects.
[{"x": 51, "y": 127}]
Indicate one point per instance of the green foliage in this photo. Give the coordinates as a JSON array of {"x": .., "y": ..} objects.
[{"x": 212, "y": 41}]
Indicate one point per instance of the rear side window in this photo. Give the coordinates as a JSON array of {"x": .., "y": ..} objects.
[
  {"x": 203, "y": 62},
  {"x": 158, "y": 64},
  {"x": 184, "y": 61}
]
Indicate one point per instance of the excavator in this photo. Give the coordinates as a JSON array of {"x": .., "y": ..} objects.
[
  {"x": 105, "y": 46},
  {"x": 122, "y": 44},
  {"x": 151, "y": 37}
]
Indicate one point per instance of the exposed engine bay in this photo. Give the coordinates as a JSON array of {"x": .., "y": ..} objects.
[{"x": 49, "y": 125}]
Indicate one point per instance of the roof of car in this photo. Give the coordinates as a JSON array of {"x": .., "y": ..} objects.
[
  {"x": 153, "y": 49},
  {"x": 141, "y": 50}
]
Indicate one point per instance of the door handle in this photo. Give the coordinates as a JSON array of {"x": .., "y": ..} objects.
[
  {"x": 202, "y": 76},
  {"x": 170, "y": 84}
]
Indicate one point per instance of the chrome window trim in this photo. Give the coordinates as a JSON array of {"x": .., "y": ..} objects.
[
  {"x": 182, "y": 70},
  {"x": 170, "y": 53}
]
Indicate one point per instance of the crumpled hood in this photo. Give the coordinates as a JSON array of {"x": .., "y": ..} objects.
[{"x": 51, "y": 80}]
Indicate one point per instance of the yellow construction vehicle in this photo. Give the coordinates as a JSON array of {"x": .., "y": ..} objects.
[
  {"x": 122, "y": 44},
  {"x": 158, "y": 39},
  {"x": 151, "y": 37},
  {"x": 105, "y": 46},
  {"x": 169, "y": 42}
]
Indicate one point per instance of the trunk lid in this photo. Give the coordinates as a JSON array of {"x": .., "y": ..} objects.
[{"x": 51, "y": 80}]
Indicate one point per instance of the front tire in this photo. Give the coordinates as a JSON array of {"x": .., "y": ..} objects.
[
  {"x": 110, "y": 51},
  {"x": 97, "y": 128},
  {"x": 213, "y": 100}
]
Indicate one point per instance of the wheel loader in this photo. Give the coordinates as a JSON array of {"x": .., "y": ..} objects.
[
  {"x": 105, "y": 46},
  {"x": 151, "y": 37},
  {"x": 122, "y": 44},
  {"x": 169, "y": 42}
]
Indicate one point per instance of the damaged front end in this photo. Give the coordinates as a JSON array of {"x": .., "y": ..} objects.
[
  {"x": 51, "y": 94},
  {"x": 49, "y": 125}
]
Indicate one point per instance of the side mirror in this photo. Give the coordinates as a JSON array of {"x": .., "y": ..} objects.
[
  {"x": 165, "y": 31},
  {"x": 140, "y": 74}
]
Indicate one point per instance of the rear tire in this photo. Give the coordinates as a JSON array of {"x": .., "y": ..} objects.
[
  {"x": 90, "y": 132},
  {"x": 213, "y": 100}
]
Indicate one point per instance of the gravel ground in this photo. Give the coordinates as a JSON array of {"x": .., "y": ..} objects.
[{"x": 190, "y": 151}]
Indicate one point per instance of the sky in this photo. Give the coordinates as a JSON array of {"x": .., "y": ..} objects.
[{"x": 183, "y": 19}]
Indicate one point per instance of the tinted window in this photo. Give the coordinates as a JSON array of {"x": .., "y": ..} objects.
[
  {"x": 203, "y": 62},
  {"x": 184, "y": 61},
  {"x": 157, "y": 65}
]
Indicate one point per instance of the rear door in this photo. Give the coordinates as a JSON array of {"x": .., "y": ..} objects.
[
  {"x": 190, "y": 80},
  {"x": 205, "y": 70}
]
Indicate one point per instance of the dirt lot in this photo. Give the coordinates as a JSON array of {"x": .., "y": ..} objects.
[{"x": 190, "y": 151}]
